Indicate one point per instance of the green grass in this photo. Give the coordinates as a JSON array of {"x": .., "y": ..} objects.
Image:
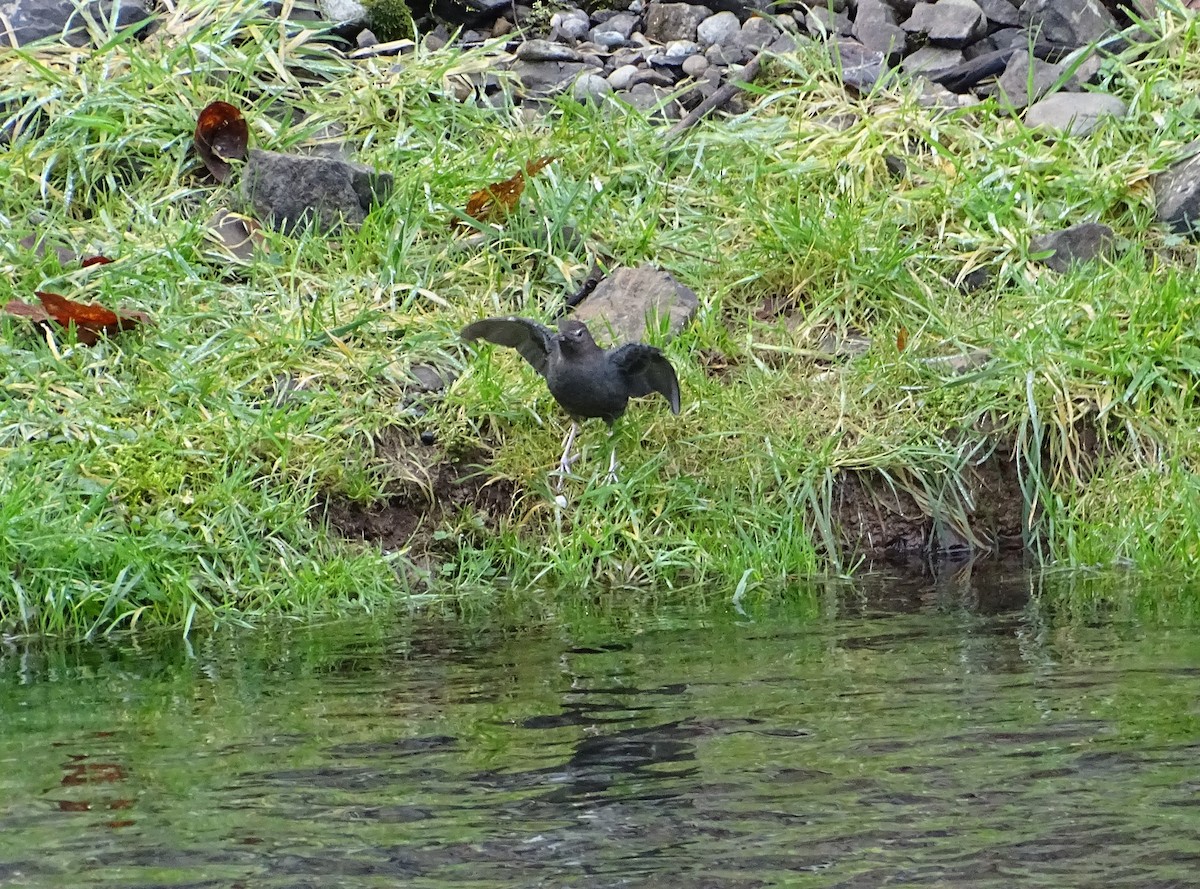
[{"x": 156, "y": 477}]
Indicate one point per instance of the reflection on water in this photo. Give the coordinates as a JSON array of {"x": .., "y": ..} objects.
[{"x": 915, "y": 733}]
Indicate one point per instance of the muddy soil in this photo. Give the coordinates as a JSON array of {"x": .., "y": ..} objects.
[
  {"x": 881, "y": 517},
  {"x": 434, "y": 497},
  {"x": 874, "y": 516}
]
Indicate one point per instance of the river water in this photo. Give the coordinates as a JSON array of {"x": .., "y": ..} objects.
[{"x": 895, "y": 732}]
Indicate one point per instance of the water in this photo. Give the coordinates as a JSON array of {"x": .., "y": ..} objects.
[{"x": 913, "y": 734}]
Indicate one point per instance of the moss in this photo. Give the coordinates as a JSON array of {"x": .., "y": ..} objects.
[{"x": 390, "y": 20}]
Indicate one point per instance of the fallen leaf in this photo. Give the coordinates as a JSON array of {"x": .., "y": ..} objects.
[
  {"x": 37, "y": 244},
  {"x": 20, "y": 309},
  {"x": 222, "y": 134},
  {"x": 901, "y": 339},
  {"x": 496, "y": 201},
  {"x": 94, "y": 260},
  {"x": 89, "y": 320}
]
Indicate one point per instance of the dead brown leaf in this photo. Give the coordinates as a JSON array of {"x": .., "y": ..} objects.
[
  {"x": 496, "y": 201},
  {"x": 222, "y": 134},
  {"x": 90, "y": 320}
]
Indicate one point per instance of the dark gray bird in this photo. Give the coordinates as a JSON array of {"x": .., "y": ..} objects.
[{"x": 586, "y": 380}]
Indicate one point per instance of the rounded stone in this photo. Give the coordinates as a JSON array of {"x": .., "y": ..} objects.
[
  {"x": 607, "y": 39},
  {"x": 675, "y": 52},
  {"x": 571, "y": 23},
  {"x": 622, "y": 77},
  {"x": 591, "y": 88},
  {"x": 722, "y": 28},
  {"x": 695, "y": 65}
]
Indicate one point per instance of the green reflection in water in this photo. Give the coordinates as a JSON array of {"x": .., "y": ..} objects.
[{"x": 914, "y": 732}]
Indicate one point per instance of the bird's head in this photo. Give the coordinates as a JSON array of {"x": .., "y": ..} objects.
[{"x": 574, "y": 337}]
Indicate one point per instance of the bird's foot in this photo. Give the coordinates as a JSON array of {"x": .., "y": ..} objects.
[
  {"x": 565, "y": 464},
  {"x": 611, "y": 478}
]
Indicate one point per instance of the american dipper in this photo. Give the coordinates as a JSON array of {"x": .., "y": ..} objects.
[{"x": 586, "y": 380}]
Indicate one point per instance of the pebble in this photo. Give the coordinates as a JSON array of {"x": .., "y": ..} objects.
[
  {"x": 572, "y": 24},
  {"x": 675, "y": 52},
  {"x": 591, "y": 88},
  {"x": 547, "y": 51},
  {"x": 622, "y": 77}
]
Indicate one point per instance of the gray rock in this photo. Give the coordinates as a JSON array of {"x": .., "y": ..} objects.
[
  {"x": 343, "y": 11},
  {"x": 614, "y": 32},
  {"x": 430, "y": 378},
  {"x": 705, "y": 85},
  {"x": 694, "y": 66},
  {"x": 631, "y": 301},
  {"x": 931, "y": 60},
  {"x": 570, "y": 23},
  {"x": 1019, "y": 87},
  {"x": 33, "y": 20},
  {"x": 1086, "y": 72},
  {"x": 607, "y": 40},
  {"x": 622, "y": 77},
  {"x": 1000, "y": 13},
  {"x": 952, "y": 23},
  {"x": 37, "y": 19},
  {"x": 722, "y": 28},
  {"x": 1073, "y": 22},
  {"x": 1077, "y": 244},
  {"x": 628, "y": 56},
  {"x": 654, "y": 101},
  {"x": 291, "y": 191},
  {"x": 934, "y": 95},
  {"x": 1177, "y": 192},
  {"x": 623, "y": 23},
  {"x": 547, "y": 51},
  {"x": 674, "y": 21},
  {"x": 822, "y": 23},
  {"x": 882, "y": 37},
  {"x": 860, "y": 67},
  {"x": 675, "y": 52},
  {"x": 662, "y": 77},
  {"x": 591, "y": 88},
  {"x": 1001, "y": 39},
  {"x": 785, "y": 44},
  {"x": 725, "y": 55},
  {"x": 875, "y": 11},
  {"x": 1075, "y": 114},
  {"x": 540, "y": 79},
  {"x": 757, "y": 32}
]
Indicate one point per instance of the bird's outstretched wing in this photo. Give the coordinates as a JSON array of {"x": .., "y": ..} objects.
[
  {"x": 528, "y": 337},
  {"x": 647, "y": 370}
]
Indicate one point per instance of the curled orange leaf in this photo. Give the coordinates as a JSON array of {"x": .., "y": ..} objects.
[
  {"x": 496, "y": 201},
  {"x": 221, "y": 134}
]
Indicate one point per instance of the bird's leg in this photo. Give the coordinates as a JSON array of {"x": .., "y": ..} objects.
[
  {"x": 564, "y": 464},
  {"x": 611, "y": 478}
]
